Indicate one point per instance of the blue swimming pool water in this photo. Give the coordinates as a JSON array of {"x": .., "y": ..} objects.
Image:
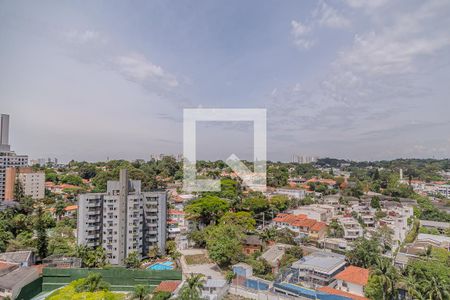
[{"x": 167, "y": 265}]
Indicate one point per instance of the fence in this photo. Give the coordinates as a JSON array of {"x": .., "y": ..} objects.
[{"x": 120, "y": 279}]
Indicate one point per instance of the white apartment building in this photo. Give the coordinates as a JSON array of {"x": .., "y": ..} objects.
[
  {"x": 33, "y": 183},
  {"x": 123, "y": 220},
  {"x": 291, "y": 193},
  {"x": 8, "y": 158},
  {"x": 318, "y": 212},
  {"x": 397, "y": 220},
  {"x": 352, "y": 228}
]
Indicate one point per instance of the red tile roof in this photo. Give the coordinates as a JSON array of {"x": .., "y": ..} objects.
[
  {"x": 329, "y": 290},
  {"x": 318, "y": 226},
  {"x": 355, "y": 275},
  {"x": 71, "y": 207},
  {"x": 175, "y": 212},
  {"x": 167, "y": 286}
]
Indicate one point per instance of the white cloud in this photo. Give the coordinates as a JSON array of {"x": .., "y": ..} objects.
[
  {"x": 301, "y": 35},
  {"x": 323, "y": 16},
  {"x": 84, "y": 37},
  {"x": 137, "y": 68},
  {"x": 369, "y": 4},
  {"x": 329, "y": 17}
]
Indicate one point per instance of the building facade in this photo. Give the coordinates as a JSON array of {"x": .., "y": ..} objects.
[
  {"x": 123, "y": 220},
  {"x": 8, "y": 158},
  {"x": 33, "y": 183}
]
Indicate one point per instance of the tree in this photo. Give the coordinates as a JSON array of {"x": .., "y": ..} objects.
[
  {"x": 436, "y": 288},
  {"x": 382, "y": 281},
  {"x": 224, "y": 244},
  {"x": 141, "y": 292},
  {"x": 153, "y": 252},
  {"x": 60, "y": 209},
  {"x": 171, "y": 249},
  {"x": 91, "y": 258},
  {"x": 375, "y": 202},
  {"x": 92, "y": 283},
  {"x": 207, "y": 210},
  {"x": 161, "y": 296},
  {"x": 364, "y": 253},
  {"x": 132, "y": 261},
  {"x": 335, "y": 229},
  {"x": 41, "y": 233},
  {"x": 256, "y": 204},
  {"x": 19, "y": 192},
  {"x": 241, "y": 219},
  {"x": 72, "y": 179},
  {"x": 191, "y": 290}
]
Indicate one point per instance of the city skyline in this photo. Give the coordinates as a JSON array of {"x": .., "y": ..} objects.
[{"x": 347, "y": 79}]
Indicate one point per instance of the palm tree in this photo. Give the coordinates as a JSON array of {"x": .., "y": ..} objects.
[
  {"x": 192, "y": 289},
  {"x": 412, "y": 287},
  {"x": 141, "y": 292},
  {"x": 388, "y": 277},
  {"x": 428, "y": 253},
  {"x": 436, "y": 289},
  {"x": 93, "y": 283}
]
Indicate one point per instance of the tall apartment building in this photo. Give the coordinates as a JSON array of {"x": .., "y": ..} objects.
[
  {"x": 8, "y": 158},
  {"x": 33, "y": 182},
  {"x": 123, "y": 220}
]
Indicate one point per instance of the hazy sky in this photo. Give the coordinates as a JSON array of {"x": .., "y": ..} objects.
[{"x": 356, "y": 79}]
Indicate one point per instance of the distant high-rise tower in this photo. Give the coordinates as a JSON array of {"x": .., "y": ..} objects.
[
  {"x": 4, "y": 133},
  {"x": 8, "y": 159}
]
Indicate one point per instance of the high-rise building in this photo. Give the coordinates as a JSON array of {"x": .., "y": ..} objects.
[
  {"x": 8, "y": 158},
  {"x": 123, "y": 220},
  {"x": 33, "y": 182}
]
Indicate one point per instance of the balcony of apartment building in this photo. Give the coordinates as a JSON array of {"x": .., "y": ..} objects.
[
  {"x": 368, "y": 220},
  {"x": 92, "y": 204},
  {"x": 152, "y": 200}
]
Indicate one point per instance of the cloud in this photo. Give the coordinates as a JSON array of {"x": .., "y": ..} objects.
[
  {"x": 301, "y": 35},
  {"x": 137, "y": 68},
  {"x": 328, "y": 16},
  {"x": 84, "y": 37},
  {"x": 371, "y": 4},
  {"x": 377, "y": 84},
  {"x": 324, "y": 16}
]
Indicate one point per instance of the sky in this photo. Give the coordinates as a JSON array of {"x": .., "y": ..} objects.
[{"x": 353, "y": 79}]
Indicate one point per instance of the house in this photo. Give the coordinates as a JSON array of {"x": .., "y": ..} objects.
[
  {"x": 434, "y": 240},
  {"x": 214, "y": 289},
  {"x": 170, "y": 286},
  {"x": 351, "y": 281},
  {"x": 352, "y": 229},
  {"x": 302, "y": 225},
  {"x": 244, "y": 277},
  {"x": 291, "y": 193},
  {"x": 22, "y": 258},
  {"x": 252, "y": 244},
  {"x": 318, "y": 212},
  {"x": 274, "y": 254},
  {"x": 14, "y": 277},
  {"x": 317, "y": 269}
]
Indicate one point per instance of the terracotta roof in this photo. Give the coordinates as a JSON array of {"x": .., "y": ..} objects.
[
  {"x": 304, "y": 223},
  {"x": 355, "y": 275},
  {"x": 318, "y": 226},
  {"x": 175, "y": 212},
  {"x": 329, "y": 290},
  {"x": 167, "y": 286},
  {"x": 288, "y": 218},
  {"x": 71, "y": 207}
]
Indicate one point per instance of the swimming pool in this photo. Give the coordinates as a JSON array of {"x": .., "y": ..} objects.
[{"x": 160, "y": 266}]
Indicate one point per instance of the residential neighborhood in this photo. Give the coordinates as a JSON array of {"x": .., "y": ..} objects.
[{"x": 225, "y": 150}]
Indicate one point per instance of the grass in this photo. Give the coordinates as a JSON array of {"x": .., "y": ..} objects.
[{"x": 197, "y": 259}]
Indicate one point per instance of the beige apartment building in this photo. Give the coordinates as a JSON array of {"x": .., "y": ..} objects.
[{"x": 33, "y": 182}]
